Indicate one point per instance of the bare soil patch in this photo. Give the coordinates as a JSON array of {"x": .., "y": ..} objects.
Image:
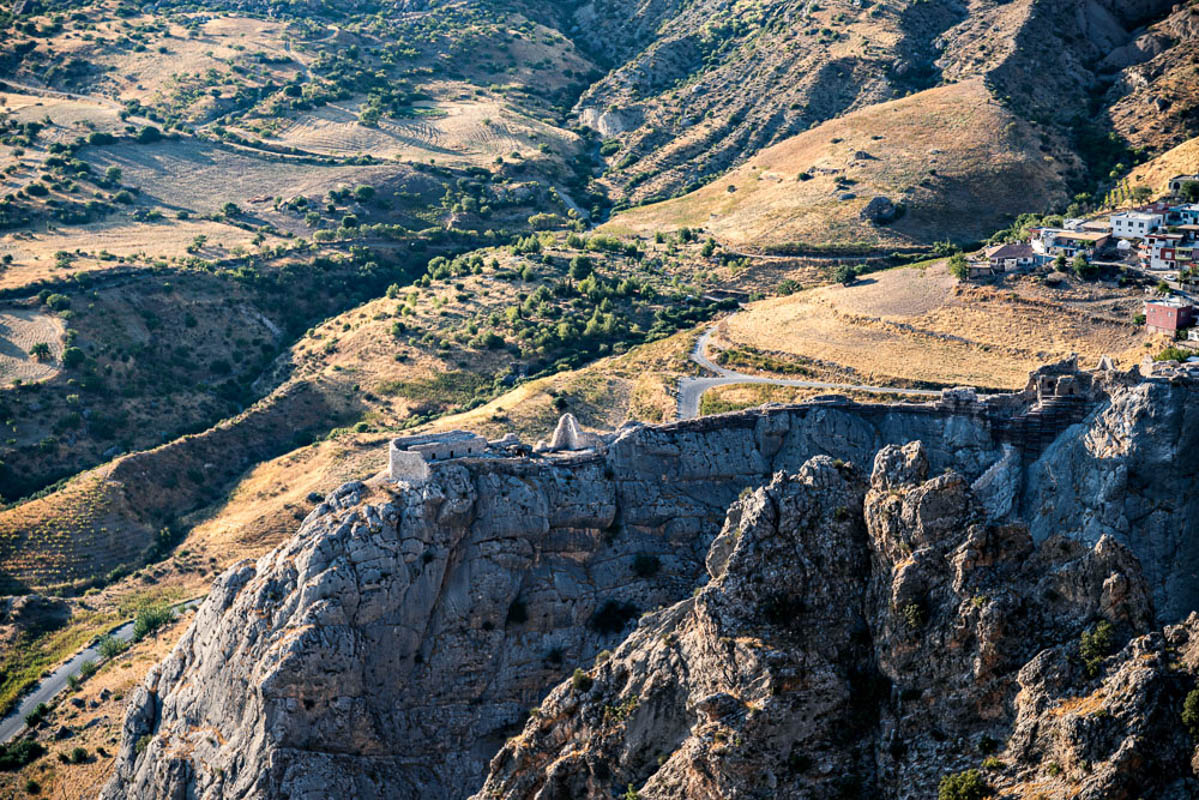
[{"x": 20, "y": 330}]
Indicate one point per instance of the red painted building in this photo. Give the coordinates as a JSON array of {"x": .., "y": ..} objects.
[{"x": 1168, "y": 316}]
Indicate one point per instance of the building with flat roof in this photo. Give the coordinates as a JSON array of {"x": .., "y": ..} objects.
[
  {"x": 408, "y": 457},
  {"x": 1169, "y": 315},
  {"x": 1135, "y": 224}
]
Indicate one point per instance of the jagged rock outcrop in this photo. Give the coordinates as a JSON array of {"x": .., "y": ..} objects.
[
  {"x": 1130, "y": 475},
  {"x": 873, "y": 629},
  {"x": 848, "y": 646}
]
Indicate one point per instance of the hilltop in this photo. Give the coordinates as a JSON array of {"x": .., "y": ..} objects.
[{"x": 946, "y": 161}]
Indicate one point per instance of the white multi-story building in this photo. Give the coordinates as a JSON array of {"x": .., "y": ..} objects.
[
  {"x": 1135, "y": 224},
  {"x": 1160, "y": 250}
]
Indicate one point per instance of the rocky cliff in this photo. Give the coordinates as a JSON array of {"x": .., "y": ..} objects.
[
  {"x": 844, "y": 627},
  {"x": 871, "y": 639}
]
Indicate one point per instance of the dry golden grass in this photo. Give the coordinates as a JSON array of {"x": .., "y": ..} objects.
[
  {"x": 268, "y": 504},
  {"x": 123, "y": 239},
  {"x": 952, "y": 155},
  {"x": 97, "y": 724},
  {"x": 1155, "y": 173},
  {"x": 460, "y": 130},
  {"x": 919, "y": 325},
  {"x": 738, "y": 396}
]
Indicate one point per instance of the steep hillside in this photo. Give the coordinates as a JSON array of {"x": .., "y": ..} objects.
[
  {"x": 1155, "y": 173},
  {"x": 949, "y": 162},
  {"x": 690, "y": 97},
  {"x": 921, "y": 325},
  {"x": 455, "y": 604}
]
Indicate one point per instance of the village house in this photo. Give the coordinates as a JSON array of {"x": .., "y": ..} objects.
[
  {"x": 1157, "y": 250},
  {"x": 1169, "y": 315},
  {"x": 1190, "y": 233},
  {"x": 1010, "y": 257},
  {"x": 1188, "y": 214},
  {"x": 1096, "y": 226},
  {"x": 1135, "y": 224},
  {"x": 1176, "y": 183}
]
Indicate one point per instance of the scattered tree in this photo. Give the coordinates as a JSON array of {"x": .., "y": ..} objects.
[
  {"x": 845, "y": 275},
  {"x": 1190, "y": 713},
  {"x": 959, "y": 267}
]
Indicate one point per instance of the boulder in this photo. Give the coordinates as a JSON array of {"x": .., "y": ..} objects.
[{"x": 880, "y": 210}]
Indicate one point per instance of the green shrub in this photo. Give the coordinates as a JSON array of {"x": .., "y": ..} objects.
[
  {"x": 150, "y": 618},
  {"x": 968, "y": 785},
  {"x": 913, "y": 615},
  {"x": 1094, "y": 646},
  {"x": 37, "y": 714},
  {"x": 959, "y": 267},
  {"x": 1190, "y": 713},
  {"x": 17, "y": 754},
  {"x": 78, "y": 755},
  {"x": 581, "y": 681},
  {"x": 1180, "y": 354},
  {"x": 110, "y": 646},
  {"x": 58, "y": 302},
  {"x": 72, "y": 357}
]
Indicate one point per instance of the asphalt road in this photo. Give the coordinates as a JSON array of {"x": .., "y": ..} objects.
[
  {"x": 692, "y": 389},
  {"x": 48, "y": 689}
]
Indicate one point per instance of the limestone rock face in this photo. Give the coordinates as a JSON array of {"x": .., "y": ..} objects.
[
  {"x": 837, "y": 598},
  {"x": 864, "y": 639},
  {"x": 1130, "y": 475}
]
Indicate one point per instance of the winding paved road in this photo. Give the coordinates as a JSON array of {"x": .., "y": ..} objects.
[
  {"x": 48, "y": 689},
  {"x": 692, "y": 389}
]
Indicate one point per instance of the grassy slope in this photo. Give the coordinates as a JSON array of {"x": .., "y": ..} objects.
[
  {"x": 1180, "y": 160},
  {"x": 952, "y": 155},
  {"x": 920, "y": 325}
]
